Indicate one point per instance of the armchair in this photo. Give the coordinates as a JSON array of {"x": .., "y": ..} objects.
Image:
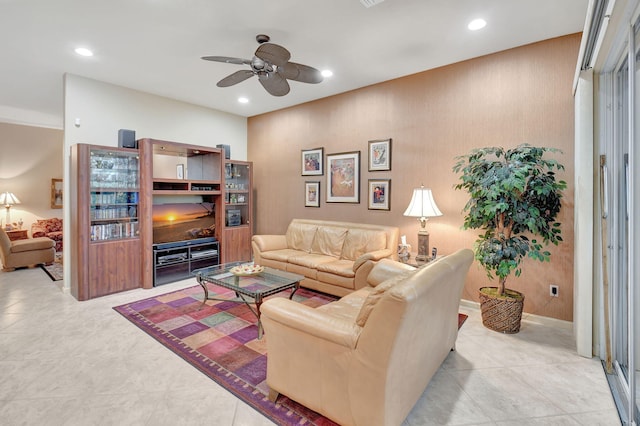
[
  {"x": 19, "y": 253},
  {"x": 367, "y": 358}
]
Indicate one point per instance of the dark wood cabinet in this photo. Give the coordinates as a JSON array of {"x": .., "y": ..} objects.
[
  {"x": 105, "y": 239},
  {"x": 238, "y": 211},
  {"x": 115, "y": 199},
  {"x": 178, "y": 261},
  {"x": 176, "y": 173}
]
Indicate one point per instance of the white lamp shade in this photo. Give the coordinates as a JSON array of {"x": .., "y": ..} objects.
[
  {"x": 422, "y": 204},
  {"x": 8, "y": 199}
]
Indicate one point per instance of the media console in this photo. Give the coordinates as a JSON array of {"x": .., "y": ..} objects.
[{"x": 178, "y": 260}]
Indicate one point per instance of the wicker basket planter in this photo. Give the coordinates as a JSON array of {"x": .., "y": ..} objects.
[{"x": 502, "y": 314}]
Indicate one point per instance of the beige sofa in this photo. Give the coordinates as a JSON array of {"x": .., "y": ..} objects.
[
  {"x": 19, "y": 253},
  {"x": 329, "y": 254},
  {"x": 366, "y": 359}
]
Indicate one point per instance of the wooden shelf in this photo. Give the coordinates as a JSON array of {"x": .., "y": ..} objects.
[{"x": 181, "y": 186}]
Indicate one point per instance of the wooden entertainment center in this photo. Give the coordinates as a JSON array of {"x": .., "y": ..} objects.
[{"x": 119, "y": 244}]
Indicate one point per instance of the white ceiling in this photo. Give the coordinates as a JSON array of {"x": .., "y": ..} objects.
[{"x": 155, "y": 45}]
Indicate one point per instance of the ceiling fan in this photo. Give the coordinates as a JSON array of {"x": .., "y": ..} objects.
[{"x": 271, "y": 64}]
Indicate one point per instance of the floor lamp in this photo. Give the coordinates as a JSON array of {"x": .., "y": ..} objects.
[
  {"x": 423, "y": 207},
  {"x": 8, "y": 199}
]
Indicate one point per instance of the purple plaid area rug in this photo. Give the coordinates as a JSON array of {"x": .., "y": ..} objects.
[{"x": 220, "y": 340}]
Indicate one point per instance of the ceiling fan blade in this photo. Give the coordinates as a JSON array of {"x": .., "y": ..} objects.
[
  {"x": 274, "y": 83},
  {"x": 235, "y": 78},
  {"x": 299, "y": 72},
  {"x": 273, "y": 53},
  {"x": 227, "y": 60}
]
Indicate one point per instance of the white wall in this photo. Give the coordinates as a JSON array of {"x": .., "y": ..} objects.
[{"x": 103, "y": 109}]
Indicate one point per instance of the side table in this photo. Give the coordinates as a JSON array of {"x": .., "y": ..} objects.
[
  {"x": 413, "y": 262},
  {"x": 17, "y": 234}
]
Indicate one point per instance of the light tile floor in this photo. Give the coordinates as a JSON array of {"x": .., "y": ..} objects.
[{"x": 64, "y": 362}]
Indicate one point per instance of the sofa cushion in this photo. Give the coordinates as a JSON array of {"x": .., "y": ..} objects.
[
  {"x": 344, "y": 268},
  {"x": 55, "y": 235},
  {"x": 361, "y": 241},
  {"x": 310, "y": 273},
  {"x": 336, "y": 281},
  {"x": 329, "y": 240},
  {"x": 300, "y": 236},
  {"x": 310, "y": 260},
  {"x": 376, "y": 294},
  {"x": 41, "y": 243},
  {"x": 280, "y": 255}
]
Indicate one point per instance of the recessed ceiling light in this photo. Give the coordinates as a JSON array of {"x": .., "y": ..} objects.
[
  {"x": 83, "y": 51},
  {"x": 243, "y": 100},
  {"x": 477, "y": 24},
  {"x": 327, "y": 73}
]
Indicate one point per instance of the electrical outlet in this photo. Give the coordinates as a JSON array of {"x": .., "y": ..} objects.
[{"x": 553, "y": 290}]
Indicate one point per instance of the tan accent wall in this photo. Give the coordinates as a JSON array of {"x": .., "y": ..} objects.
[
  {"x": 519, "y": 95},
  {"x": 29, "y": 158}
]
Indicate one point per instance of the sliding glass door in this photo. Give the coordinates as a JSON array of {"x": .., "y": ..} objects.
[{"x": 622, "y": 148}]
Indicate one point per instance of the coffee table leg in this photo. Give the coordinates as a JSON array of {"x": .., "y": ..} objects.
[
  {"x": 293, "y": 291},
  {"x": 258, "y": 302},
  {"x": 203, "y": 284}
]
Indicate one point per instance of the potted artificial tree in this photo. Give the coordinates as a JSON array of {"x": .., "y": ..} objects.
[{"x": 514, "y": 195}]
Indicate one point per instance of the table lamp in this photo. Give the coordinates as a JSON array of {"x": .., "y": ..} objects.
[
  {"x": 8, "y": 199},
  {"x": 423, "y": 207}
]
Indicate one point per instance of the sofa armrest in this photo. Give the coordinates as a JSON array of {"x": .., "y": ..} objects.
[
  {"x": 287, "y": 313},
  {"x": 373, "y": 255},
  {"x": 38, "y": 231},
  {"x": 385, "y": 269},
  {"x": 269, "y": 242}
]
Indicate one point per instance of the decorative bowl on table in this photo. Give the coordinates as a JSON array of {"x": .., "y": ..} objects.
[{"x": 246, "y": 270}]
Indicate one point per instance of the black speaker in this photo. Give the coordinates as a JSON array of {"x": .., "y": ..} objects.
[
  {"x": 127, "y": 139},
  {"x": 227, "y": 151}
]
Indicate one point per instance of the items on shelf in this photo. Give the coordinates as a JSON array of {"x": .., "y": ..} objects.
[
  {"x": 114, "y": 231},
  {"x": 179, "y": 260}
]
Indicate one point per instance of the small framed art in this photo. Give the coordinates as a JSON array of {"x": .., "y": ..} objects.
[
  {"x": 312, "y": 194},
  {"x": 380, "y": 155},
  {"x": 312, "y": 162},
  {"x": 180, "y": 171},
  {"x": 379, "y": 194},
  {"x": 56, "y": 193},
  {"x": 343, "y": 177}
]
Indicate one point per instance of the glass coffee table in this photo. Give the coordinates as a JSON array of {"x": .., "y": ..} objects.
[{"x": 250, "y": 289}]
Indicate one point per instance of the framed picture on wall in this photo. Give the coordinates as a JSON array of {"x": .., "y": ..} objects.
[
  {"x": 343, "y": 177},
  {"x": 380, "y": 155},
  {"x": 312, "y": 194},
  {"x": 312, "y": 162},
  {"x": 379, "y": 194},
  {"x": 180, "y": 171},
  {"x": 56, "y": 193}
]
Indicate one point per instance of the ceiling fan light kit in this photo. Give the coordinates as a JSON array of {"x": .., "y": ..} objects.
[{"x": 272, "y": 66}]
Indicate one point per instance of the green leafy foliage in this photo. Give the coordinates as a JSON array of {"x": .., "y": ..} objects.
[{"x": 512, "y": 193}]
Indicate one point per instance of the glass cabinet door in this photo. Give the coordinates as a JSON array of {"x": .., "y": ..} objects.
[
  {"x": 113, "y": 186},
  {"x": 237, "y": 191}
]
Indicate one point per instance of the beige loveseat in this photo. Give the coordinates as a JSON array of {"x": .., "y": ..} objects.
[
  {"x": 366, "y": 359},
  {"x": 329, "y": 254},
  {"x": 19, "y": 253}
]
